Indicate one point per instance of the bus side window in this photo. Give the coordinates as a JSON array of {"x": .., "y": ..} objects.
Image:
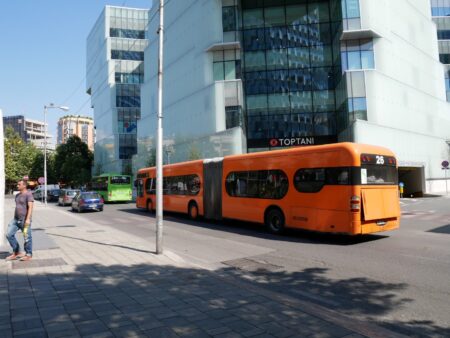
[
  {"x": 231, "y": 184},
  {"x": 192, "y": 184},
  {"x": 271, "y": 184},
  {"x": 338, "y": 176},
  {"x": 150, "y": 186},
  {"x": 309, "y": 180}
]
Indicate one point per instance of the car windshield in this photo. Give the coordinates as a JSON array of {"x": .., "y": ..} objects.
[
  {"x": 71, "y": 193},
  {"x": 90, "y": 196}
]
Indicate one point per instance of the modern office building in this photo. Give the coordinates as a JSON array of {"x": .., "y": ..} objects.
[
  {"x": 440, "y": 10},
  {"x": 31, "y": 131},
  {"x": 81, "y": 126},
  {"x": 115, "y": 71},
  {"x": 252, "y": 75}
]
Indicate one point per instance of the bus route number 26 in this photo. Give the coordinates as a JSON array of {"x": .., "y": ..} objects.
[{"x": 380, "y": 159}]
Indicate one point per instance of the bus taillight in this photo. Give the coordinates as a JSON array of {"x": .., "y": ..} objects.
[{"x": 355, "y": 204}]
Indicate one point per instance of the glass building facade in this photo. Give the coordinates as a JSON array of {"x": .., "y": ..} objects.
[
  {"x": 440, "y": 10},
  {"x": 115, "y": 84},
  {"x": 291, "y": 67}
]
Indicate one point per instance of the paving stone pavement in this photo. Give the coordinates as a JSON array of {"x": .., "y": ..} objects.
[{"x": 99, "y": 283}]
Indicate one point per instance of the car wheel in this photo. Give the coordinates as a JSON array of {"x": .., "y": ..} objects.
[{"x": 274, "y": 221}]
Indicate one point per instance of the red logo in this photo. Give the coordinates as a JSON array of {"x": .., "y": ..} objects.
[{"x": 273, "y": 142}]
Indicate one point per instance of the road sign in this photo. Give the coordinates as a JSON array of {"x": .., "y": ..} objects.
[
  {"x": 444, "y": 164},
  {"x": 41, "y": 180}
]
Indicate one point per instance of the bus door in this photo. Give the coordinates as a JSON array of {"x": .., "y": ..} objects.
[{"x": 212, "y": 189}]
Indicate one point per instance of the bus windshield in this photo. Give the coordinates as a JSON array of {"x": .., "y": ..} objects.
[{"x": 120, "y": 180}]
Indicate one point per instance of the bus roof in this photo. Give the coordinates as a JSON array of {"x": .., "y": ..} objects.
[
  {"x": 110, "y": 174},
  {"x": 355, "y": 149}
]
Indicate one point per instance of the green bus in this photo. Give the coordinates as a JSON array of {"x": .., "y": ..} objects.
[{"x": 113, "y": 187}]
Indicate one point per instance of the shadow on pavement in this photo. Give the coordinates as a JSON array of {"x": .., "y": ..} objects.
[
  {"x": 150, "y": 300},
  {"x": 258, "y": 230},
  {"x": 104, "y": 244},
  {"x": 441, "y": 230}
]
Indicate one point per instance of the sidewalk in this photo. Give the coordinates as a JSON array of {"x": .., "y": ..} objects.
[{"x": 91, "y": 281}]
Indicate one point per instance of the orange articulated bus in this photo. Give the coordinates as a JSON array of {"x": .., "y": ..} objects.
[{"x": 337, "y": 188}]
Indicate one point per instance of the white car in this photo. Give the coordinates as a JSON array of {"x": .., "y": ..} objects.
[{"x": 38, "y": 194}]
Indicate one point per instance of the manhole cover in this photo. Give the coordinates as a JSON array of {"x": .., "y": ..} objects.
[
  {"x": 252, "y": 265},
  {"x": 91, "y": 231},
  {"x": 38, "y": 263}
]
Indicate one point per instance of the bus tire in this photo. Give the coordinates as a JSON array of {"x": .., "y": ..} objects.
[
  {"x": 149, "y": 206},
  {"x": 193, "y": 210},
  {"x": 274, "y": 220}
]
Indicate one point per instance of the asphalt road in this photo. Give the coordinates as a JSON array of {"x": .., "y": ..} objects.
[{"x": 399, "y": 279}]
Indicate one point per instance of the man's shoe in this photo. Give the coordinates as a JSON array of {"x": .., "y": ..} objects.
[
  {"x": 14, "y": 256},
  {"x": 26, "y": 258}
]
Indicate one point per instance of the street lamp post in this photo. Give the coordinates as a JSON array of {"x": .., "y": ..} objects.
[{"x": 50, "y": 106}]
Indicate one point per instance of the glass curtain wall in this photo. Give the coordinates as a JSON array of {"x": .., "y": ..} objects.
[
  {"x": 127, "y": 50},
  {"x": 290, "y": 69}
]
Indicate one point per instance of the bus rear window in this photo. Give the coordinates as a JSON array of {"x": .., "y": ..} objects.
[
  {"x": 378, "y": 170},
  {"x": 120, "y": 180},
  {"x": 378, "y": 174}
]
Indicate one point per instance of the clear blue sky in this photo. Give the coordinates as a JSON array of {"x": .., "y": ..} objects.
[{"x": 43, "y": 55}]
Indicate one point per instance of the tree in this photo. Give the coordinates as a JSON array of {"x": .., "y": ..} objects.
[
  {"x": 73, "y": 162},
  {"x": 151, "y": 161},
  {"x": 19, "y": 156},
  {"x": 194, "y": 153},
  {"x": 37, "y": 167}
]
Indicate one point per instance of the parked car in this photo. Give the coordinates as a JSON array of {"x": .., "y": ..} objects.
[
  {"x": 38, "y": 194},
  {"x": 66, "y": 196},
  {"x": 53, "y": 195},
  {"x": 89, "y": 200}
]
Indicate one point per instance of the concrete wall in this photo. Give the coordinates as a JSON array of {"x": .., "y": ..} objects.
[{"x": 406, "y": 100}]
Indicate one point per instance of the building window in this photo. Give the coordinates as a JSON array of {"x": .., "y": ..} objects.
[
  {"x": 233, "y": 115},
  {"x": 229, "y": 22},
  {"x": 357, "y": 108},
  {"x": 351, "y": 14},
  {"x": 226, "y": 65},
  {"x": 127, "y": 146},
  {"x": 126, "y": 33},
  {"x": 127, "y": 55},
  {"x": 357, "y": 54},
  {"x": 440, "y": 7},
  {"x": 133, "y": 78}
]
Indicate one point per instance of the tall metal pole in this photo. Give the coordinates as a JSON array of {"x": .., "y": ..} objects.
[
  {"x": 45, "y": 155},
  {"x": 159, "y": 144}
]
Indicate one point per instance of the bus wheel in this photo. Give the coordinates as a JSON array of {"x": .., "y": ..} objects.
[
  {"x": 149, "y": 206},
  {"x": 193, "y": 210},
  {"x": 274, "y": 221}
]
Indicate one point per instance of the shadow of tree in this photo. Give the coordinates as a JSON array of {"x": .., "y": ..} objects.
[{"x": 145, "y": 299}]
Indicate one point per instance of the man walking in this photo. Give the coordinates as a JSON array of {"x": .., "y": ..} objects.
[{"x": 21, "y": 221}]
